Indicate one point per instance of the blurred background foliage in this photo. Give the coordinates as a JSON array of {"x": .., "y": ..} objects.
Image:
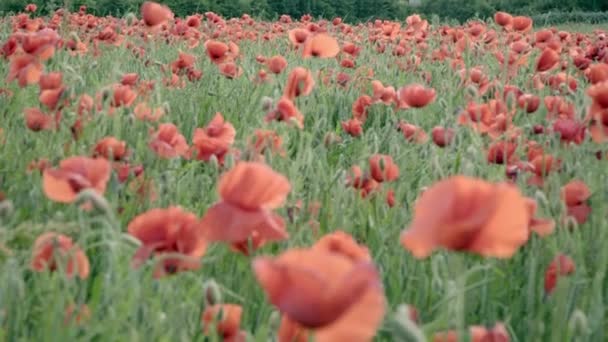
[{"x": 547, "y": 11}]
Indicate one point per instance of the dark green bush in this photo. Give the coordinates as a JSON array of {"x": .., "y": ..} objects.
[{"x": 546, "y": 12}]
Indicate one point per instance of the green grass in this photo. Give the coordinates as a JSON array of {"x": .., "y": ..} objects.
[{"x": 448, "y": 289}]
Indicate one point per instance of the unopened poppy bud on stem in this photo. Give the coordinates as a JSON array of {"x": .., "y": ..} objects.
[
  {"x": 6, "y": 209},
  {"x": 212, "y": 293},
  {"x": 90, "y": 196},
  {"x": 404, "y": 328}
]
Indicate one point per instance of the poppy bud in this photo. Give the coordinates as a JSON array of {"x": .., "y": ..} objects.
[
  {"x": 6, "y": 209},
  {"x": 404, "y": 328},
  {"x": 212, "y": 293},
  {"x": 578, "y": 323},
  {"x": 472, "y": 91},
  {"x": 130, "y": 18},
  {"x": 274, "y": 321},
  {"x": 91, "y": 196},
  {"x": 267, "y": 103}
]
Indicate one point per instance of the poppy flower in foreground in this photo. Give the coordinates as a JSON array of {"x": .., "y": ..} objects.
[
  {"x": 331, "y": 291},
  {"x": 54, "y": 251},
  {"x": 248, "y": 194},
  {"x": 213, "y": 140},
  {"x": 110, "y": 148},
  {"x": 561, "y": 266},
  {"x": 276, "y": 64},
  {"x": 575, "y": 195},
  {"x": 299, "y": 83},
  {"x": 225, "y": 320},
  {"x": 73, "y": 175},
  {"x": 321, "y": 45},
  {"x": 477, "y": 334},
  {"x": 155, "y": 14},
  {"x": 547, "y": 60},
  {"x": 467, "y": 214},
  {"x": 172, "y": 235}
]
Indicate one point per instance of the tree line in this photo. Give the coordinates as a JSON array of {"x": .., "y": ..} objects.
[{"x": 349, "y": 10}]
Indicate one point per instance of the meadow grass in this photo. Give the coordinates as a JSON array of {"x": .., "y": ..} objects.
[{"x": 450, "y": 290}]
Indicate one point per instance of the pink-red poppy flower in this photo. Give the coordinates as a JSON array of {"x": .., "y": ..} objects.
[
  {"x": 172, "y": 235},
  {"x": 467, "y": 214},
  {"x": 331, "y": 291},
  {"x": 321, "y": 46},
  {"x": 570, "y": 130},
  {"x": 73, "y": 175},
  {"x": 155, "y": 14},
  {"x": 522, "y": 23},
  {"x": 36, "y": 120},
  {"x": 225, "y": 320},
  {"x": 218, "y": 52},
  {"x": 213, "y": 140},
  {"x": 299, "y": 83},
  {"x": 110, "y": 148},
  {"x": 286, "y": 111},
  {"x": 248, "y": 194},
  {"x": 276, "y": 64},
  {"x": 353, "y": 127},
  {"x": 442, "y": 136},
  {"x": 501, "y": 152},
  {"x": 575, "y": 195},
  {"x": 412, "y": 132},
  {"x": 561, "y": 266},
  {"x": 167, "y": 142},
  {"x": 547, "y": 60},
  {"x": 383, "y": 168},
  {"x": 415, "y": 95},
  {"x": 503, "y": 19},
  {"x": 54, "y": 251}
]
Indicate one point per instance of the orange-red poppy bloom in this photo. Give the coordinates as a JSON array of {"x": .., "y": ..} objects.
[
  {"x": 213, "y": 140},
  {"x": 299, "y": 83},
  {"x": 547, "y": 60},
  {"x": 276, "y": 64},
  {"x": 143, "y": 112},
  {"x": 522, "y": 23},
  {"x": 331, "y": 290},
  {"x": 249, "y": 192},
  {"x": 575, "y": 195},
  {"x": 412, "y": 132},
  {"x": 321, "y": 45},
  {"x": 230, "y": 70},
  {"x": 561, "y": 266},
  {"x": 110, "y": 148},
  {"x": 54, "y": 251},
  {"x": 467, "y": 214},
  {"x": 503, "y": 19},
  {"x": 477, "y": 333},
  {"x": 528, "y": 102},
  {"x": 217, "y": 51},
  {"x": 73, "y": 175},
  {"x": 570, "y": 130},
  {"x": 286, "y": 111},
  {"x": 353, "y": 127},
  {"x": 172, "y": 235},
  {"x": 155, "y": 14},
  {"x": 52, "y": 80},
  {"x": 167, "y": 142},
  {"x": 123, "y": 96},
  {"x": 383, "y": 168},
  {"x": 26, "y": 69},
  {"x": 442, "y": 136},
  {"x": 225, "y": 320},
  {"x": 415, "y": 95},
  {"x": 36, "y": 120},
  {"x": 298, "y": 36},
  {"x": 597, "y": 73}
]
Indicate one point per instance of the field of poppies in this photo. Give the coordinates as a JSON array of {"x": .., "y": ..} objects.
[{"x": 213, "y": 179}]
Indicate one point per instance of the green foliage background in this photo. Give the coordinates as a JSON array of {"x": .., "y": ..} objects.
[{"x": 350, "y": 10}]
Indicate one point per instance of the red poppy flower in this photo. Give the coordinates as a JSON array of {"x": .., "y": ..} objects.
[
  {"x": 172, "y": 235},
  {"x": 503, "y": 19},
  {"x": 522, "y": 23},
  {"x": 225, "y": 320},
  {"x": 286, "y": 111},
  {"x": 321, "y": 45},
  {"x": 36, "y": 120},
  {"x": 123, "y": 96},
  {"x": 248, "y": 194},
  {"x": 129, "y": 79},
  {"x": 597, "y": 73},
  {"x": 155, "y": 14},
  {"x": 501, "y": 152},
  {"x": 143, "y": 112},
  {"x": 331, "y": 290},
  {"x": 542, "y": 166},
  {"x": 74, "y": 175},
  {"x": 415, "y": 95},
  {"x": 363, "y": 182},
  {"x": 412, "y": 132},
  {"x": 214, "y": 140},
  {"x": 26, "y": 69},
  {"x": 570, "y": 130},
  {"x": 561, "y": 266},
  {"x": 276, "y": 64},
  {"x": 353, "y": 127},
  {"x": 298, "y": 36},
  {"x": 442, "y": 136},
  {"x": 547, "y": 60},
  {"x": 110, "y": 148},
  {"x": 217, "y": 51},
  {"x": 167, "y": 142},
  {"x": 52, "y": 80},
  {"x": 54, "y": 251},
  {"x": 477, "y": 334},
  {"x": 382, "y": 168},
  {"x": 575, "y": 195},
  {"x": 230, "y": 70},
  {"x": 466, "y": 214},
  {"x": 299, "y": 83},
  {"x": 528, "y": 102}
]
